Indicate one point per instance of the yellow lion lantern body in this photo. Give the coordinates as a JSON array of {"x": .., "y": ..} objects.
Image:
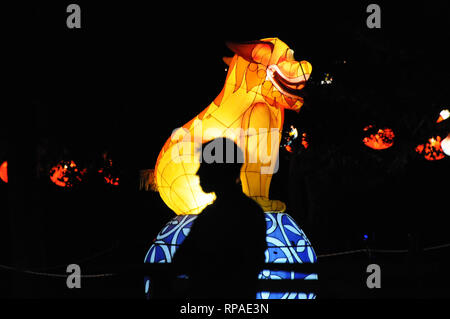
[{"x": 263, "y": 79}]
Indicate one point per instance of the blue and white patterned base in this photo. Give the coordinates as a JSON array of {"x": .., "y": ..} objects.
[{"x": 286, "y": 242}]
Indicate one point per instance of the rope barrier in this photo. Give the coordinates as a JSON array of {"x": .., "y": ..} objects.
[
  {"x": 437, "y": 247},
  {"x": 65, "y": 275},
  {"x": 44, "y": 274},
  {"x": 80, "y": 261},
  {"x": 40, "y": 271},
  {"x": 388, "y": 251},
  {"x": 349, "y": 252},
  {"x": 342, "y": 253}
]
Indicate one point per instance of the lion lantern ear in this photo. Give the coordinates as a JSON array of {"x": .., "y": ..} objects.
[
  {"x": 227, "y": 60},
  {"x": 253, "y": 51}
]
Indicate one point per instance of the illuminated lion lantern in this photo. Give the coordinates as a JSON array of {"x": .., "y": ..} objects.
[{"x": 263, "y": 79}]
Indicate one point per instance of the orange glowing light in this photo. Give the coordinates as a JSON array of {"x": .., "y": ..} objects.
[
  {"x": 304, "y": 141},
  {"x": 106, "y": 171},
  {"x": 4, "y": 171},
  {"x": 66, "y": 173},
  {"x": 381, "y": 140},
  {"x": 111, "y": 180},
  {"x": 445, "y": 114},
  {"x": 432, "y": 150}
]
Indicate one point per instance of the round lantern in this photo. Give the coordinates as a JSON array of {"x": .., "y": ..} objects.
[
  {"x": 380, "y": 139},
  {"x": 432, "y": 150},
  {"x": 66, "y": 174},
  {"x": 4, "y": 171},
  {"x": 445, "y": 145},
  {"x": 108, "y": 172},
  {"x": 286, "y": 243}
]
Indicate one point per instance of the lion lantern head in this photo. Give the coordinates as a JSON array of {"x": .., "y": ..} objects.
[{"x": 271, "y": 66}]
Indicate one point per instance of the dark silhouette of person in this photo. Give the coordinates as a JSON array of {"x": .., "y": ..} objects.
[{"x": 224, "y": 251}]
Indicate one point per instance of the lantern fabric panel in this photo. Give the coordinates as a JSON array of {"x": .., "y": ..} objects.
[{"x": 286, "y": 242}]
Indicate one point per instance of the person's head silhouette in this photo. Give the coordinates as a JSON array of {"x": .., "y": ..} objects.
[{"x": 220, "y": 167}]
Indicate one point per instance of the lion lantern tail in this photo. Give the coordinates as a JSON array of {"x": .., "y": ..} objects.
[{"x": 147, "y": 180}]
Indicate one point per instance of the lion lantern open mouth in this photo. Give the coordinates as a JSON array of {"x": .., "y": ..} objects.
[{"x": 290, "y": 87}]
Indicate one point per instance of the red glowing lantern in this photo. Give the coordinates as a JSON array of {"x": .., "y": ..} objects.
[
  {"x": 305, "y": 141},
  {"x": 380, "y": 139},
  {"x": 432, "y": 150},
  {"x": 112, "y": 181},
  {"x": 4, "y": 171},
  {"x": 288, "y": 148},
  {"x": 66, "y": 174},
  {"x": 107, "y": 172},
  {"x": 289, "y": 141}
]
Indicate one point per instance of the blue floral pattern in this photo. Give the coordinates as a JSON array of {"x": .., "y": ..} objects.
[
  {"x": 169, "y": 239},
  {"x": 286, "y": 242}
]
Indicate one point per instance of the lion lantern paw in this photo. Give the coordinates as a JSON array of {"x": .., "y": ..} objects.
[{"x": 269, "y": 205}]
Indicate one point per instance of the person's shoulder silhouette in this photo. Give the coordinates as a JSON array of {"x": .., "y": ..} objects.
[{"x": 225, "y": 247}]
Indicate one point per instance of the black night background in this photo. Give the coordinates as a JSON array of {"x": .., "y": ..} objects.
[{"x": 134, "y": 72}]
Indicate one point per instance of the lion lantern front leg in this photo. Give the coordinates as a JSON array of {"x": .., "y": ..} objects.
[{"x": 261, "y": 145}]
